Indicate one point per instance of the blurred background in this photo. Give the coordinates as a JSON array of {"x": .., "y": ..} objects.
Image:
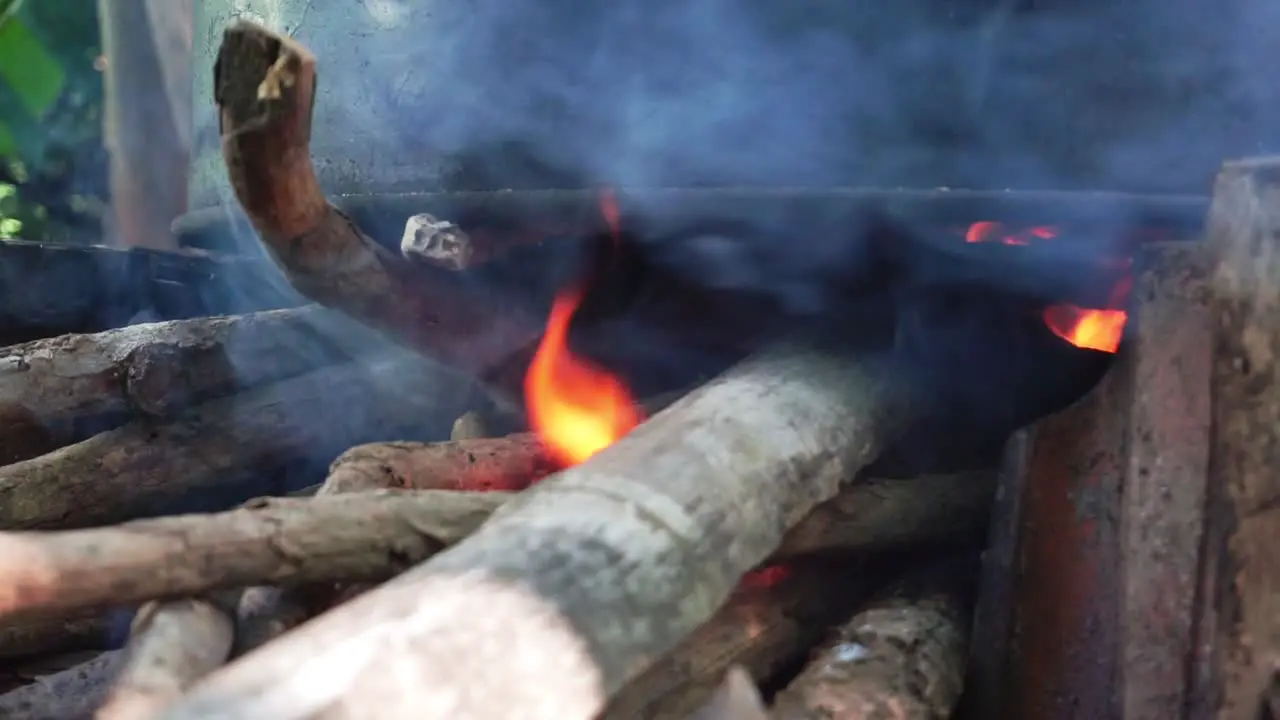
[{"x": 58, "y": 180}]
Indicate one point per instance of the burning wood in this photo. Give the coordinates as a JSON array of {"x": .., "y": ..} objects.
[
  {"x": 152, "y": 369},
  {"x": 664, "y": 522},
  {"x": 900, "y": 657},
  {"x": 265, "y": 87},
  {"x": 172, "y": 645},
  {"x": 117, "y": 475}
]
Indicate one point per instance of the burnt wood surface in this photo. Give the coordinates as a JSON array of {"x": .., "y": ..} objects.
[{"x": 1242, "y": 620}]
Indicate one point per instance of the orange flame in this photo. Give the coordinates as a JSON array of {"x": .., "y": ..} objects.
[
  {"x": 1088, "y": 328},
  {"x": 576, "y": 407}
]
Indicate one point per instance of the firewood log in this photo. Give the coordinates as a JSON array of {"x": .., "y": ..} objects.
[
  {"x": 172, "y": 644},
  {"x": 901, "y": 657},
  {"x": 157, "y": 368},
  {"x": 265, "y": 86},
  {"x": 361, "y": 536},
  {"x": 123, "y": 473},
  {"x": 769, "y": 623},
  {"x": 662, "y": 523},
  {"x": 73, "y": 694},
  {"x": 1240, "y": 620}
]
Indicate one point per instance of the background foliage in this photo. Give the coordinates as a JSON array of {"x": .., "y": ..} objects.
[{"x": 53, "y": 168}]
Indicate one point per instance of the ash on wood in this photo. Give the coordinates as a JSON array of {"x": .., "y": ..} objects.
[
  {"x": 124, "y": 473},
  {"x": 154, "y": 369},
  {"x": 172, "y": 644},
  {"x": 902, "y": 657},
  {"x": 265, "y": 86},
  {"x": 664, "y": 522},
  {"x": 1242, "y": 620}
]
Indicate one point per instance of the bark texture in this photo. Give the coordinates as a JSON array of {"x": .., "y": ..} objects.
[
  {"x": 902, "y": 657},
  {"x": 1243, "y": 523}
]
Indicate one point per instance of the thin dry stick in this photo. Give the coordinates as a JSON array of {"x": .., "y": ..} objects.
[{"x": 664, "y": 522}]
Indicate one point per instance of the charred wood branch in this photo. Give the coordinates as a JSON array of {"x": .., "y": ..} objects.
[
  {"x": 172, "y": 644},
  {"x": 665, "y": 522},
  {"x": 769, "y": 623},
  {"x": 265, "y": 84},
  {"x": 902, "y": 657},
  {"x": 151, "y": 369},
  {"x": 73, "y": 694},
  {"x": 363, "y": 536},
  {"x": 120, "y": 474},
  {"x": 1241, "y": 617}
]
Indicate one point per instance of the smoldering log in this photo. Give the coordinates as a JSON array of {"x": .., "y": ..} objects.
[
  {"x": 664, "y": 523},
  {"x": 901, "y": 657},
  {"x": 172, "y": 644},
  {"x": 769, "y": 623},
  {"x": 140, "y": 467},
  {"x": 360, "y": 536},
  {"x": 156, "y": 368},
  {"x": 1241, "y": 621},
  {"x": 265, "y": 86},
  {"x": 72, "y": 694}
]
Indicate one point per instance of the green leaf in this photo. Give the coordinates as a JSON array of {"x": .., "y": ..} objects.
[{"x": 29, "y": 69}]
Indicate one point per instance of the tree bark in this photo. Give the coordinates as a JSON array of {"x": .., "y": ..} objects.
[
  {"x": 902, "y": 657},
  {"x": 661, "y": 525},
  {"x": 155, "y": 369},
  {"x": 1241, "y": 614},
  {"x": 265, "y": 86},
  {"x": 172, "y": 645},
  {"x": 121, "y": 474},
  {"x": 52, "y": 633}
]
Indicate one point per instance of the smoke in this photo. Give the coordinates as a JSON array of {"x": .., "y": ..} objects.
[{"x": 499, "y": 93}]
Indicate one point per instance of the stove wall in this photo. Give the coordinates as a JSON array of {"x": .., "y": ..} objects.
[{"x": 1136, "y": 95}]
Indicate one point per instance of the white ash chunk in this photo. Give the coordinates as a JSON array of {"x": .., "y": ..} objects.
[{"x": 436, "y": 242}]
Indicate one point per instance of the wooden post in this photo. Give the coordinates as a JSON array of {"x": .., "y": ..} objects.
[{"x": 1241, "y": 618}]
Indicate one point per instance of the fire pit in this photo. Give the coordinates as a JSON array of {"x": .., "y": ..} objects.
[{"x": 787, "y": 514}]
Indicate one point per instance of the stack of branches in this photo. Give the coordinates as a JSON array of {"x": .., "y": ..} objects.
[{"x": 701, "y": 557}]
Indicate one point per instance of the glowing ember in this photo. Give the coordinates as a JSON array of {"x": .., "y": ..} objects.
[
  {"x": 1092, "y": 329},
  {"x": 576, "y": 407}
]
